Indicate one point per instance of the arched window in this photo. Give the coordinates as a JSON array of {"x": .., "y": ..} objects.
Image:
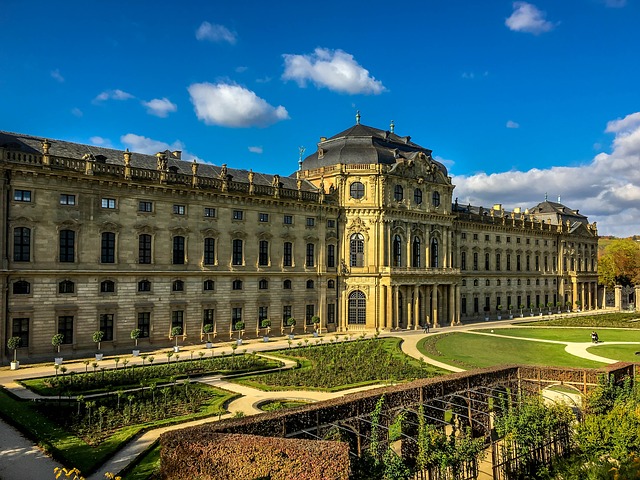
[
  {"x": 107, "y": 286},
  {"x": 398, "y": 193},
  {"x": 236, "y": 285},
  {"x": 331, "y": 284},
  {"x": 463, "y": 260},
  {"x": 263, "y": 284},
  {"x": 263, "y": 253},
  {"x": 435, "y": 199},
  {"x": 356, "y": 253},
  {"x": 286, "y": 284},
  {"x": 21, "y": 287},
  {"x": 208, "y": 285},
  {"x": 310, "y": 284},
  {"x": 417, "y": 196},
  {"x": 415, "y": 253},
  {"x": 397, "y": 251},
  {"x": 144, "y": 286},
  {"x": 66, "y": 286},
  {"x": 178, "y": 286},
  {"x": 356, "y": 190},
  {"x": 357, "y": 308},
  {"x": 434, "y": 253}
]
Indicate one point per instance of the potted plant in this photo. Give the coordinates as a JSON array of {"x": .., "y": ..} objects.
[
  {"x": 510, "y": 312},
  {"x": 499, "y": 308},
  {"x": 521, "y": 307},
  {"x": 559, "y": 305},
  {"x": 532, "y": 306},
  {"x": 316, "y": 325},
  {"x": 97, "y": 338},
  {"x": 266, "y": 324},
  {"x": 239, "y": 327},
  {"x": 207, "y": 329},
  {"x": 13, "y": 343},
  {"x": 56, "y": 341},
  {"x": 578, "y": 305},
  {"x": 291, "y": 322},
  {"x": 175, "y": 333},
  {"x": 135, "y": 335},
  {"x": 486, "y": 314},
  {"x": 541, "y": 307},
  {"x": 550, "y": 306}
]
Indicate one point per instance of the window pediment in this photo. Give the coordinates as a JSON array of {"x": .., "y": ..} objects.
[
  {"x": 209, "y": 232},
  {"x": 179, "y": 230},
  {"x": 145, "y": 228},
  {"x": 109, "y": 227}
]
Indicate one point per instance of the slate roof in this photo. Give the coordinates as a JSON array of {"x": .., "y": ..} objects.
[
  {"x": 33, "y": 145},
  {"x": 361, "y": 144},
  {"x": 558, "y": 208}
]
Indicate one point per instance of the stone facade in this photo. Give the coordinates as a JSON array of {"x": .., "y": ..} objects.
[{"x": 365, "y": 235}]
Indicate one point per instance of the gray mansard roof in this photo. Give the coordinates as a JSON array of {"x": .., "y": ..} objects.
[
  {"x": 361, "y": 144},
  {"x": 60, "y": 148}
]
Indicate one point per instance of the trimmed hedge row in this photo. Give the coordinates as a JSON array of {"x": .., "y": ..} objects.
[{"x": 216, "y": 456}]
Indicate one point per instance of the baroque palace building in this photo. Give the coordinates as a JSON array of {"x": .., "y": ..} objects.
[{"x": 365, "y": 235}]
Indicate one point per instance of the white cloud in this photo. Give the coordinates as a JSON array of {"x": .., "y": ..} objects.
[
  {"x": 615, "y": 3},
  {"x": 216, "y": 33},
  {"x": 255, "y": 149},
  {"x": 512, "y": 124},
  {"x": 607, "y": 189},
  {"x": 446, "y": 162},
  {"x": 160, "y": 107},
  {"x": 112, "y": 95},
  {"x": 335, "y": 70},
  {"x": 101, "y": 141},
  {"x": 231, "y": 105},
  {"x": 263, "y": 80},
  {"x": 468, "y": 75},
  {"x": 76, "y": 112},
  {"x": 140, "y": 144},
  {"x": 527, "y": 18},
  {"x": 55, "y": 74},
  {"x": 241, "y": 69}
]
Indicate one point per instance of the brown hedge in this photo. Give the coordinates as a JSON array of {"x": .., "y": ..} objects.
[{"x": 205, "y": 455}]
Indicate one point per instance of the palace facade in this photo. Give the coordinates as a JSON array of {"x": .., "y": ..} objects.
[{"x": 365, "y": 235}]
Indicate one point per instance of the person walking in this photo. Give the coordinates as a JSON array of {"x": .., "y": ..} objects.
[{"x": 426, "y": 327}]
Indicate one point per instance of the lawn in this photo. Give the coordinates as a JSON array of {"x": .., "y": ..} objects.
[
  {"x": 568, "y": 334},
  {"x": 72, "y": 450},
  {"x": 467, "y": 350},
  {"x": 623, "y": 353},
  {"x": 615, "y": 320},
  {"x": 342, "y": 365}
]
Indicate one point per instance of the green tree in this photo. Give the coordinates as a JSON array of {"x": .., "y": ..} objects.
[{"x": 619, "y": 264}]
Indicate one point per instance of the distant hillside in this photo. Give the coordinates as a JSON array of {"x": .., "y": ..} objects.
[{"x": 607, "y": 239}]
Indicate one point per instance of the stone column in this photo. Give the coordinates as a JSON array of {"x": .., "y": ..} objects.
[
  {"x": 458, "y": 304},
  {"x": 636, "y": 297},
  {"x": 416, "y": 308},
  {"x": 618, "y": 297},
  {"x": 452, "y": 306},
  {"x": 407, "y": 302},
  {"x": 395, "y": 322},
  {"x": 434, "y": 314},
  {"x": 574, "y": 293}
]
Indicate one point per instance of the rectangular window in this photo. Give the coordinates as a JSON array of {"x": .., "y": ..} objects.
[
  {"x": 209, "y": 212},
  {"x": 288, "y": 220},
  {"x": 67, "y": 246},
  {"x": 236, "y": 316},
  {"x": 144, "y": 249},
  {"x": 144, "y": 324},
  {"x": 498, "y": 261},
  {"x": 179, "y": 209},
  {"x": 178, "y": 250},
  {"x": 236, "y": 252},
  {"x": 486, "y": 238},
  {"x": 177, "y": 319},
  {"x": 463, "y": 306},
  {"x": 108, "y": 248},
  {"x": 65, "y": 328},
  {"x": 263, "y": 314},
  {"x": 67, "y": 199},
  {"x": 475, "y": 236},
  {"x": 498, "y": 239},
  {"x": 286, "y": 313},
  {"x": 331, "y": 313},
  {"x": 311, "y": 222},
  {"x": 263, "y": 253},
  {"x": 331, "y": 224},
  {"x": 476, "y": 307},
  {"x": 331, "y": 256},
  {"x": 287, "y": 258},
  {"x": 21, "y": 244},
  {"x": 263, "y": 217},
  {"x": 486, "y": 261},
  {"x": 508, "y": 239},
  {"x": 22, "y": 195},
  {"x": 475, "y": 260},
  {"x": 310, "y": 312},
  {"x": 109, "y": 203},
  {"x": 145, "y": 206},
  {"x": 463, "y": 235},
  {"x": 463, "y": 260},
  {"x": 310, "y": 255},
  {"x": 518, "y": 265},
  {"x": 209, "y": 251},
  {"x": 238, "y": 214},
  {"x": 21, "y": 330},
  {"x": 106, "y": 326},
  {"x": 207, "y": 317},
  {"x": 508, "y": 262},
  {"x": 517, "y": 239}
]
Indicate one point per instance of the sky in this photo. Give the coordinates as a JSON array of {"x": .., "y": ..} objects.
[{"x": 520, "y": 100}]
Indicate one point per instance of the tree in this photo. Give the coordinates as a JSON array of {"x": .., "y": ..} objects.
[
  {"x": 13, "y": 344},
  {"x": 135, "y": 335},
  {"x": 619, "y": 264}
]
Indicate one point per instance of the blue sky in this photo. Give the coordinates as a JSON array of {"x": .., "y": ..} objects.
[{"x": 518, "y": 99}]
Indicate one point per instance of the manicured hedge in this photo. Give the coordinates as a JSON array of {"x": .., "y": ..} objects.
[{"x": 215, "y": 456}]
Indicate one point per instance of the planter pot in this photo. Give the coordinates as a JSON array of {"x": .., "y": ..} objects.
[
  {"x": 265, "y": 339},
  {"x": 239, "y": 341},
  {"x": 135, "y": 353},
  {"x": 15, "y": 365},
  {"x": 510, "y": 317},
  {"x": 540, "y": 313},
  {"x": 209, "y": 345},
  {"x": 99, "y": 356},
  {"x": 291, "y": 336},
  {"x": 315, "y": 334},
  {"x": 486, "y": 319},
  {"x": 499, "y": 317},
  {"x": 532, "y": 314},
  {"x": 58, "y": 360},
  {"x": 176, "y": 348}
]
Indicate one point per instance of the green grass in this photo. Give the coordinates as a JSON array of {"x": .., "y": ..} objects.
[
  {"x": 616, "y": 320},
  {"x": 622, "y": 353},
  {"x": 145, "y": 466},
  {"x": 467, "y": 350},
  {"x": 339, "y": 366},
  {"x": 73, "y": 451},
  {"x": 283, "y": 404},
  {"x": 568, "y": 334}
]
